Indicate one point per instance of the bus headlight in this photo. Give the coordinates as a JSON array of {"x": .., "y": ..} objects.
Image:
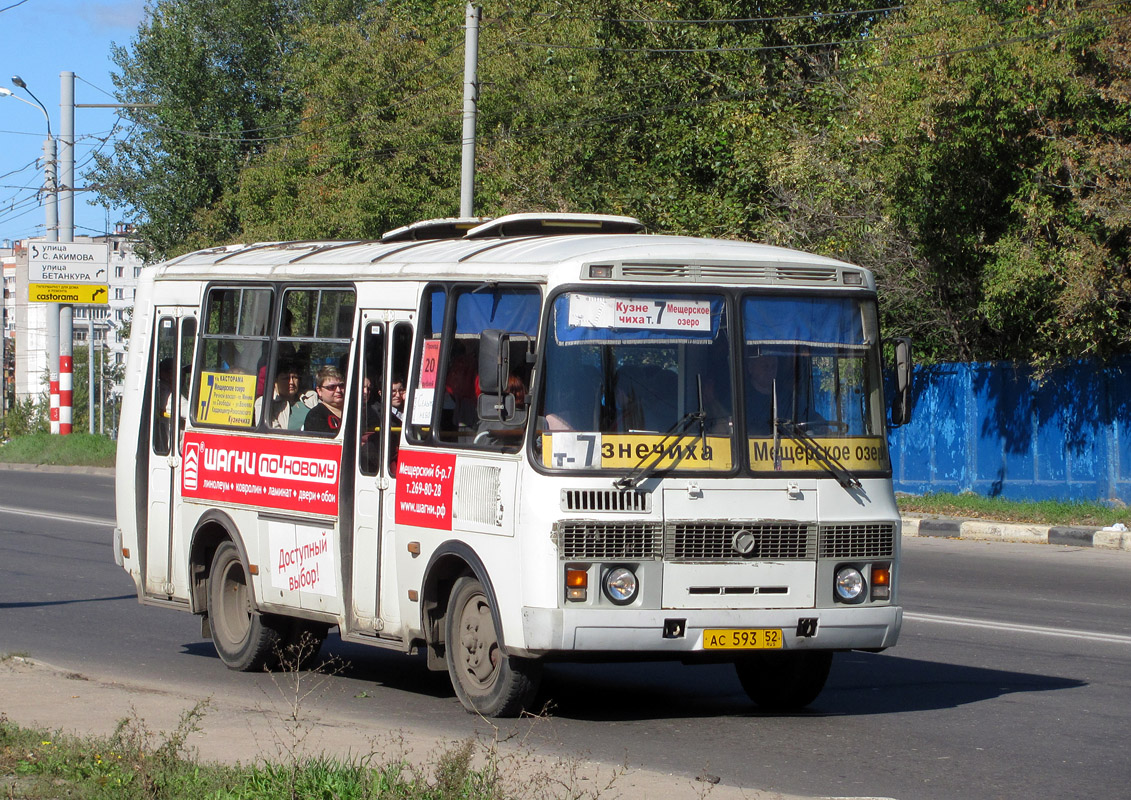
[
  {"x": 849, "y": 584},
  {"x": 620, "y": 585}
]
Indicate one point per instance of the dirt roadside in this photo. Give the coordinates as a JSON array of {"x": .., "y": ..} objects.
[{"x": 235, "y": 729}]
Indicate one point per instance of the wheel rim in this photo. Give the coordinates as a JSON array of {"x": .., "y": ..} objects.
[
  {"x": 478, "y": 651},
  {"x": 234, "y": 618}
]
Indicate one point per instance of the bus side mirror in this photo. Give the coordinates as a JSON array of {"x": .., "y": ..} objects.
[
  {"x": 495, "y": 403},
  {"x": 904, "y": 366}
]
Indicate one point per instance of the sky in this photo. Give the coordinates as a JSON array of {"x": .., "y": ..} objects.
[{"x": 40, "y": 39}]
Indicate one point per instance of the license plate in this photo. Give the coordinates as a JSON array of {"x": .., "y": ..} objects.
[{"x": 742, "y": 639}]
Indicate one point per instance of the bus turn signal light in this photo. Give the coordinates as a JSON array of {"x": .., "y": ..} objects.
[
  {"x": 577, "y": 584},
  {"x": 881, "y": 583}
]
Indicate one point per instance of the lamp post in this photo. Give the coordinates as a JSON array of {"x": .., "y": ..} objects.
[{"x": 51, "y": 210}]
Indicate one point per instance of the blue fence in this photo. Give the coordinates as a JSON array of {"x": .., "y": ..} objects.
[{"x": 996, "y": 430}]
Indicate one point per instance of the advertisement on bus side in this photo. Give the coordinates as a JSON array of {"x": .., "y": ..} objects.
[{"x": 287, "y": 475}]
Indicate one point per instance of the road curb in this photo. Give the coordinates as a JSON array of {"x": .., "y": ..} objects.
[
  {"x": 108, "y": 471},
  {"x": 1008, "y": 532}
]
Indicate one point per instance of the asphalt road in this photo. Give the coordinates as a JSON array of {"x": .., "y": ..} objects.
[{"x": 1012, "y": 677}]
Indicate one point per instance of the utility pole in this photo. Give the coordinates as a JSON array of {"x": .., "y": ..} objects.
[
  {"x": 67, "y": 106},
  {"x": 470, "y": 107},
  {"x": 66, "y": 234}
]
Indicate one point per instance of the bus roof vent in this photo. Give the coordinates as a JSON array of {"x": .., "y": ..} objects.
[
  {"x": 447, "y": 228},
  {"x": 554, "y": 225}
]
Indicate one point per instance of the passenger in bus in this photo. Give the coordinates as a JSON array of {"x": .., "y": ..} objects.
[
  {"x": 396, "y": 400},
  {"x": 326, "y": 417},
  {"x": 306, "y": 401},
  {"x": 286, "y": 395},
  {"x": 459, "y": 388}
]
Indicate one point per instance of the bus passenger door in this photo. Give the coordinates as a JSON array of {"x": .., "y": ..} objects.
[
  {"x": 173, "y": 338},
  {"x": 386, "y": 344}
]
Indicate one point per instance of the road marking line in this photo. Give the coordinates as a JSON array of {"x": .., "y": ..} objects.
[
  {"x": 31, "y": 512},
  {"x": 1064, "y": 633}
]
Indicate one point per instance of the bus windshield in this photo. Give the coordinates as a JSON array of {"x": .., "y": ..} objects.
[
  {"x": 811, "y": 373},
  {"x": 645, "y": 379},
  {"x": 637, "y": 376}
]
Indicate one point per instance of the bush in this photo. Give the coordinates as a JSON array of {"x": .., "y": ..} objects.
[{"x": 25, "y": 417}]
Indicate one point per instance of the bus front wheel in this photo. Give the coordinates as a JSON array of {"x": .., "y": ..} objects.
[
  {"x": 486, "y": 681},
  {"x": 784, "y": 681},
  {"x": 244, "y": 639}
]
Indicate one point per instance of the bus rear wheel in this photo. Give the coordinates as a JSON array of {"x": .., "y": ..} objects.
[
  {"x": 485, "y": 680},
  {"x": 244, "y": 639},
  {"x": 784, "y": 681}
]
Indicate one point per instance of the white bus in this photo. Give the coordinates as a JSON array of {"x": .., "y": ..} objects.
[{"x": 514, "y": 441}]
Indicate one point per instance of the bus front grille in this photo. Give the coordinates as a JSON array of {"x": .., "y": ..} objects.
[
  {"x": 603, "y": 541},
  {"x": 587, "y": 540},
  {"x": 731, "y": 541},
  {"x": 859, "y": 540}
]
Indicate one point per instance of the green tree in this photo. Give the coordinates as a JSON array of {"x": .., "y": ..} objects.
[
  {"x": 972, "y": 170},
  {"x": 213, "y": 71}
]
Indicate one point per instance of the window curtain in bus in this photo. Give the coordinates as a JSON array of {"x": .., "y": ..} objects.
[
  {"x": 515, "y": 311},
  {"x": 815, "y": 321}
]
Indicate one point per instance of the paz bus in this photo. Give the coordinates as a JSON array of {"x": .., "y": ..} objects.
[{"x": 505, "y": 442}]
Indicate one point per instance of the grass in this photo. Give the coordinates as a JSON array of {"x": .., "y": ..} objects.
[
  {"x": 1043, "y": 512},
  {"x": 136, "y": 764},
  {"x": 75, "y": 450}
]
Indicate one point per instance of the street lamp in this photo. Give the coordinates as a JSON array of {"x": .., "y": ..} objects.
[
  {"x": 18, "y": 81},
  {"x": 51, "y": 214},
  {"x": 48, "y": 156}
]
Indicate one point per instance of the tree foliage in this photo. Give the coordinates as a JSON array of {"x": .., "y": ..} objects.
[{"x": 973, "y": 153}]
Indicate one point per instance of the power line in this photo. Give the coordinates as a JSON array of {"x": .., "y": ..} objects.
[{"x": 815, "y": 16}]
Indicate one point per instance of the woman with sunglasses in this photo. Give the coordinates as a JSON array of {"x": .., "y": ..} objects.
[{"x": 326, "y": 417}]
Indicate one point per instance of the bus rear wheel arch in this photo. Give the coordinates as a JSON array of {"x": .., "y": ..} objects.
[
  {"x": 486, "y": 680},
  {"x": 787, "y": 680}
]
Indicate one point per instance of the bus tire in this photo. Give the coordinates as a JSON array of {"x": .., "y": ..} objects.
[
  {"x": 784, "y": 681},
  {"x": 485, "y": 680},
  {"x": 244, "y": 639}
]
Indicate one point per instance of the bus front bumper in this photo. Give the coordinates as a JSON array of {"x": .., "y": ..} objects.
[{"x": 676, "y": 631}]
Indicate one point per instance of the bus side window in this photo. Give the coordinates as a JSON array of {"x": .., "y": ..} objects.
[
  {"x": 184, "y": 375},
  {"x": 427, "y": 377},
  {"x": 315, "y": 335},
  {"x": 513, "y": 309},
  {"x": 165, "y": 383},
  {"x": 231, "y": 373},
  {"x": 370, "y": 409},
  {"x": 398, "y": 389}
]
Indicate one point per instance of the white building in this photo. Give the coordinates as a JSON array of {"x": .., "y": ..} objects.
[
  {"x": 29, "y": 330},
  {"x": 7, "y": 321}
]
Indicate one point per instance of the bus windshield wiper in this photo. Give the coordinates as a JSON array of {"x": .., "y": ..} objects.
[
  {"x": 643, "y": 471},
  {"x": 818, "y": 453}
]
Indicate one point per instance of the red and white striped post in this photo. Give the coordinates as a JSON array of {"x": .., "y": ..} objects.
[
  {"x": 66, "y": 392},
  {"x": 53, "y": 388}
]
